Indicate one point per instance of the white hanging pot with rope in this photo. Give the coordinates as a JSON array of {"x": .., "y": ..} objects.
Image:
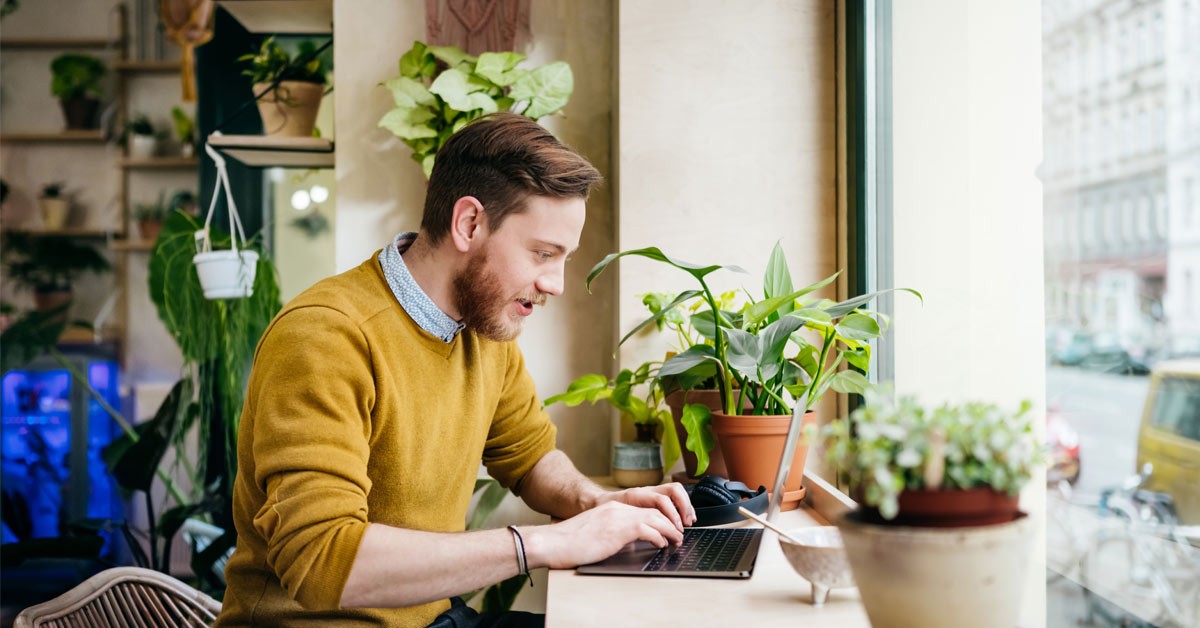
[{"x": 227, "y": 273}]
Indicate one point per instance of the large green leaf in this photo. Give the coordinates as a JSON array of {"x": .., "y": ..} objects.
[
  {"x": 774, "y": 338},
  {"x": 702, "y": 322},
  {"x": 417, "y": 62},
  {"x": 591, "y": 387},
  {"x": 136, "y": 468},
  {"x": 409, "y": 124},
  {"x": 492, "y": 495},
  {"x": 777, "y": 281},
  {"x": 697, "y": 422},
  {"x": 859, "y": 327},
  {"x": 849, "y": 381},
  {"x": 498, "y": 67},
  {"x": 670, "y": 442},
  {"x": 744, "y": 353},
  {"x": 546, "y": 88},
  {"x": 409, "y": 93},
  {"x": 451, "y": 55},
  {"x": 683, "y": 362},
  {"x": 658, "y": 316},
  {"x": 784, "y": 304},
  {"x": 461, "y": 92},
  {"x": 652, "y": 252},
  {"x": 845, "y": 307}
]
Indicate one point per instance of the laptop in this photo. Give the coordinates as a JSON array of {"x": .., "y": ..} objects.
[{"x": 705, "y": 552}]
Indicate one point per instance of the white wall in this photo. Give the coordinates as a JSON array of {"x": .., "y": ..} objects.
[
  {"x": 727, "y": 140},
  {"x": 967, "y": 213}
]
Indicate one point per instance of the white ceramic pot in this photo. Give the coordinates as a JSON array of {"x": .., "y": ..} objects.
[
  {"x": 54, "y": 212},
  {"x": 819, "y": 557},
  {"x": 187, "y": 149},
  {"x": 939, "y": 577},
  {"x": 226, "y": 274},
  {"x": 142, "y": 146}
]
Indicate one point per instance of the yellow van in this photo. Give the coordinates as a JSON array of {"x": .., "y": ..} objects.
[{"x": 1169, "y": 437}]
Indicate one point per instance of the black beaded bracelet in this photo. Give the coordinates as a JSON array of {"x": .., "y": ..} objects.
[{"x": 522, "y": 563}]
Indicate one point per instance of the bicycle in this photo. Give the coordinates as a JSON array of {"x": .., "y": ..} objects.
[{"x": 1141, "y": 569}]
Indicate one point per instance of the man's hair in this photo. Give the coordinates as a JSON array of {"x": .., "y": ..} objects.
[{"x": 502, "y": 159}]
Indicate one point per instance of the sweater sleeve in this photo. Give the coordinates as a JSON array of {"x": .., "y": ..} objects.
[
  {"x": 521, "y": 432},
  {"x": 312, "y": 393}
]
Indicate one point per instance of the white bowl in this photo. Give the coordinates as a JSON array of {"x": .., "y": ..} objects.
[{"x": 820, "y": 558}]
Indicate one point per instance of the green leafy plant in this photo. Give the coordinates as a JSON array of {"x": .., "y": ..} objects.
[
  {"x": 52, "y": 190},
  {"x": 76, "y": 76},
  {"x": 272, "y": 63},
  {"x": 185, "y": 126},
  {"x": 763, "y": 364},
  {"x": 49, "y": 263},
  {"x": 441, "y": 88},
  {"x": 156, "y": 211},
  {"x": 140, "y": 125},
  {"x": 889, "y": 445}
]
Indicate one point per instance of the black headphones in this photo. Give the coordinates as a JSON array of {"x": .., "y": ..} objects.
[{"x": 717, "y": 499}]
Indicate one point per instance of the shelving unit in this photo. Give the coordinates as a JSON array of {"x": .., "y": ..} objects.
[
  {"x": 81, "y": 232},
  {"x": 158, "y": 163},
  {"x": 57, "y": 43},
  {"x": 283, "y": 17},
  {"x": 163, "y": 67},
  {"x": 266, "y": 151},
  {"x": 61, "y": 137}
]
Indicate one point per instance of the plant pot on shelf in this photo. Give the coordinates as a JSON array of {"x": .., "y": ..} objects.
[
  {"x": 716, "y": 459},
  {"x": 637, "y": 464},
  {"x": 50, "y": 298},
  {"x": 753, "y": 446},
  {"x": 917, "y": 576},
  {"x": 80, "y": 113},
  {"x": 149, "y": 229},
  {"x": 949, "y": 508},
  {"x": 289, "y": 110},
  {"x": 55, "y": 211},
  {"x": 187, "y": 149},
  {"x": 142, "y": 146}
]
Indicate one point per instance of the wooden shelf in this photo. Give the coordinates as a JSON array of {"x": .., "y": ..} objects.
[
  {"x": 57, "y": 43},
  {"x": 158, "y": 163},
  {"x": 264, "y": 151},
  {"x": 285, "y": 17},
  {"x": 163, "y": 67},
  {"x": 131, "y": 245},
  {"x": 71, "y": 136},
  {"x": 69, "y": 232}
]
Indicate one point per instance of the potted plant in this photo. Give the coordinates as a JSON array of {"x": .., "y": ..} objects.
[
  {"x": 48, "y": 265},
  {"x": 150, "y": 216},
  {"x": 185, "y": 131},
  {"x": 76, "y": 83},
  {"x": 938, "y": 518},
  {"x": 55, "y": 206},
  {"x": 441, "y": 88},
  {"x": 763, "y": 366},
  {"x": 141, "y": 137},
  {"x": 634, "y": 464},
  {"x": 288, "y": 88}
]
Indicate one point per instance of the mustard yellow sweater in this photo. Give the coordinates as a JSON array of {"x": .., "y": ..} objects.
[{"x": 354, "y": 414}]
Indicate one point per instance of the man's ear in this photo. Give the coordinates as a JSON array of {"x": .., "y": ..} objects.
[{"x": 468, "y": 223}]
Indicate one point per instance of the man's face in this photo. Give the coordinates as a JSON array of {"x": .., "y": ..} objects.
[{"x": 518, "y": 266}]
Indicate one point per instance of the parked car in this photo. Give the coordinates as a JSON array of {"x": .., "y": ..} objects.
[
  {"x": 1076, "y": 348},
  {"x": 1062, "y": 443},
  {"x": 1107, "y": 354},
  {"x": 1169, "y": 437}
]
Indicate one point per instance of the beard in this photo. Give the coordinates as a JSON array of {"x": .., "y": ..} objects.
[{"x": 482, "y": 303}]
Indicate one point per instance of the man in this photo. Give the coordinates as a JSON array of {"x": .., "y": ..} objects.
[{"x": 375, "y": 394}]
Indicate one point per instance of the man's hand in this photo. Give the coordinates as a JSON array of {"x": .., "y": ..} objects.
[
  {"x": 669, "y": 499},
  {"x": 597, "y": 534}
]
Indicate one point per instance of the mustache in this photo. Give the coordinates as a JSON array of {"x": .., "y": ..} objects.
[{"x": 538, "y": 299}]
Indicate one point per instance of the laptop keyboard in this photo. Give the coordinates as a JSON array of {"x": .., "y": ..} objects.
[{"x": 704, "y": 550}]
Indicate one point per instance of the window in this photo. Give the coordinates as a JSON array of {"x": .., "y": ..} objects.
[{"x": 1177, "y": 407}]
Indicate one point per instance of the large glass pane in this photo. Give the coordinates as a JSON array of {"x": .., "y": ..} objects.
[{"x": 1122, "y": 248}]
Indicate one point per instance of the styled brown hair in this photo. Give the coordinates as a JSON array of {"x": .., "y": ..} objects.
[{"x": 502, "y": 159}]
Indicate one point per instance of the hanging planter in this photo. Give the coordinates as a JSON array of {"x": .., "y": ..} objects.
[{"x": 224, "y": 274}]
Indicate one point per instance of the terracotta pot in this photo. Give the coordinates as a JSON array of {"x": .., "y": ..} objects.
[
  {"x": 149, "y": 229},
  {"x": 716, "y": 459},
  {"x": 290, "y": 110},
  {"x": 909, "y": 577},
  {"x": 47, "y": 300},
  {"x": 753, "y": 446},
  {"x": 80, "y": 113},
  {"x": 953, "y": 508}
]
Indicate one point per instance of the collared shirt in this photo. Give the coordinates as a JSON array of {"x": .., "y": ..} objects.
[{"x": 410, "y": 295}]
